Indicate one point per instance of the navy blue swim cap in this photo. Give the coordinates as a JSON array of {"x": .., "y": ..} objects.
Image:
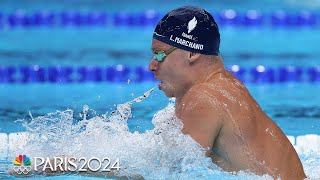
[{"x": 190, "y": 28}]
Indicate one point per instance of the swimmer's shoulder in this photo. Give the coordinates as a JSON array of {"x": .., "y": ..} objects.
[
  {"x": 204, "y": 94},
  {"x": 204, "y": 88}
]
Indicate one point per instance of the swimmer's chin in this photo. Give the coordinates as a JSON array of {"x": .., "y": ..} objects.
[{"x": 162, "y": 86}]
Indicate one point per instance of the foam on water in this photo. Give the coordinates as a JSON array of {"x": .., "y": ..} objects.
[{"x": 161, "y": 153}]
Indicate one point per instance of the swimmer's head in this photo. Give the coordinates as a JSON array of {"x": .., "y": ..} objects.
[{"x": 189, "y": 28}]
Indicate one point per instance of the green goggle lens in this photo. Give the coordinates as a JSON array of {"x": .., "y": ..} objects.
[{"x": 159, "y": 57}]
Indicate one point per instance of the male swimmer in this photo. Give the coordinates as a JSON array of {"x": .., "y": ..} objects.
[{"x": 215, "y": 107}]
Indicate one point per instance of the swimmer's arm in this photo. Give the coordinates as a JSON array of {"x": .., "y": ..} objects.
[{"x": 201, "y": 117}]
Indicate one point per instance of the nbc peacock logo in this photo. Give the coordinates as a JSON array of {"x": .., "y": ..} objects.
[{"x": 22, "y": 164}]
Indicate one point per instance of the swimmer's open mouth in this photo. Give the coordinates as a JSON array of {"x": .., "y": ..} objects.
[{"x": 156, "y": 76}]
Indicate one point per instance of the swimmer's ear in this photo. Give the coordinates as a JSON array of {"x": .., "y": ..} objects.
[{"x": 193, "y": 57}]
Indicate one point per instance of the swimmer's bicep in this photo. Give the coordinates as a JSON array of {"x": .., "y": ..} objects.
[{"x": 201, "y": 119}]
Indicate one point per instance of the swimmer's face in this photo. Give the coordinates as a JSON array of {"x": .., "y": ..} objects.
[{"x": 172, "y": 71}]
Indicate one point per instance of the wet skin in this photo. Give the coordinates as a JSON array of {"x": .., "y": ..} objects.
[{"x": 219, "y": 113}]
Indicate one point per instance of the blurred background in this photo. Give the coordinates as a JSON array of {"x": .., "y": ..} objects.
[{"x": 58, "y": 55}]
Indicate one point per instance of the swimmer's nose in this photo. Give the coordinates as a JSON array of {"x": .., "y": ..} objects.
[{"x": 153, "y": 66}]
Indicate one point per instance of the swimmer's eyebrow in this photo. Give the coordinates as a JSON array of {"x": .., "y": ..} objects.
[
  {"x": 156, "y": 48},
  {"x": 153, "y": 49}
]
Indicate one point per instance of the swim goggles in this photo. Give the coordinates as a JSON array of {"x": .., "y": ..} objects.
[{"x": 160, "y": 55}]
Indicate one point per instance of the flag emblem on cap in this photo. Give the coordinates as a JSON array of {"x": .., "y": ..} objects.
[{"x": 192, "y": 24}]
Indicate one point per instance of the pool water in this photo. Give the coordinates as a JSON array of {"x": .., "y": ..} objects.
[
  {"x": 285, "y": 108},
  {"x": 47, "y": 118},
  {"x": 140, "y": 136}
]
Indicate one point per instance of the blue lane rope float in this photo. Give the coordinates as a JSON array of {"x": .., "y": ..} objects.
[
  {"x": 238, "y": 72},
  {"x": 6, "y": 74},
  {"x": 122, "y": 18},
  {"x": 90, "y": 73},
  {"x": 143, "y": 74},
  {"x": 1, "y": 19},
  {"x": 304, "y": 18},
  {"x": 232, "y": 18},
  {"x": 145, "y": 18},
  {"x": 262, "y": 74},
  {"x": 228, "y": 17},
  {"x": 253, "y": 18},
  {"x": 314, "y": 74},
  {"x": 32, "y": 74},
  {"x": 119, "y": 73},
  {"x": 290, "y": 73},
  {"x": 61, "y": 74},
  {"x": 82, "y": 19},
  {"x": 123, "y": 74}
]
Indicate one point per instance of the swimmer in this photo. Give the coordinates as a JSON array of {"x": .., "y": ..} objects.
[{"x": 216, "y": 109}]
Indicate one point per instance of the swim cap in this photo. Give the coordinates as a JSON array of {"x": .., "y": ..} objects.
[{"x": 190, "y": 28}]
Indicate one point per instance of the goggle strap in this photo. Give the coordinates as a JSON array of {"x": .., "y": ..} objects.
[{"x": 170, "y": 51}]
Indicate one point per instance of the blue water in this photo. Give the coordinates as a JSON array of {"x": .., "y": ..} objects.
[
  {"x": 296, "y": 111},
  {"x": 293, "y": 106},
  {"x": 294, "y": 118}
]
